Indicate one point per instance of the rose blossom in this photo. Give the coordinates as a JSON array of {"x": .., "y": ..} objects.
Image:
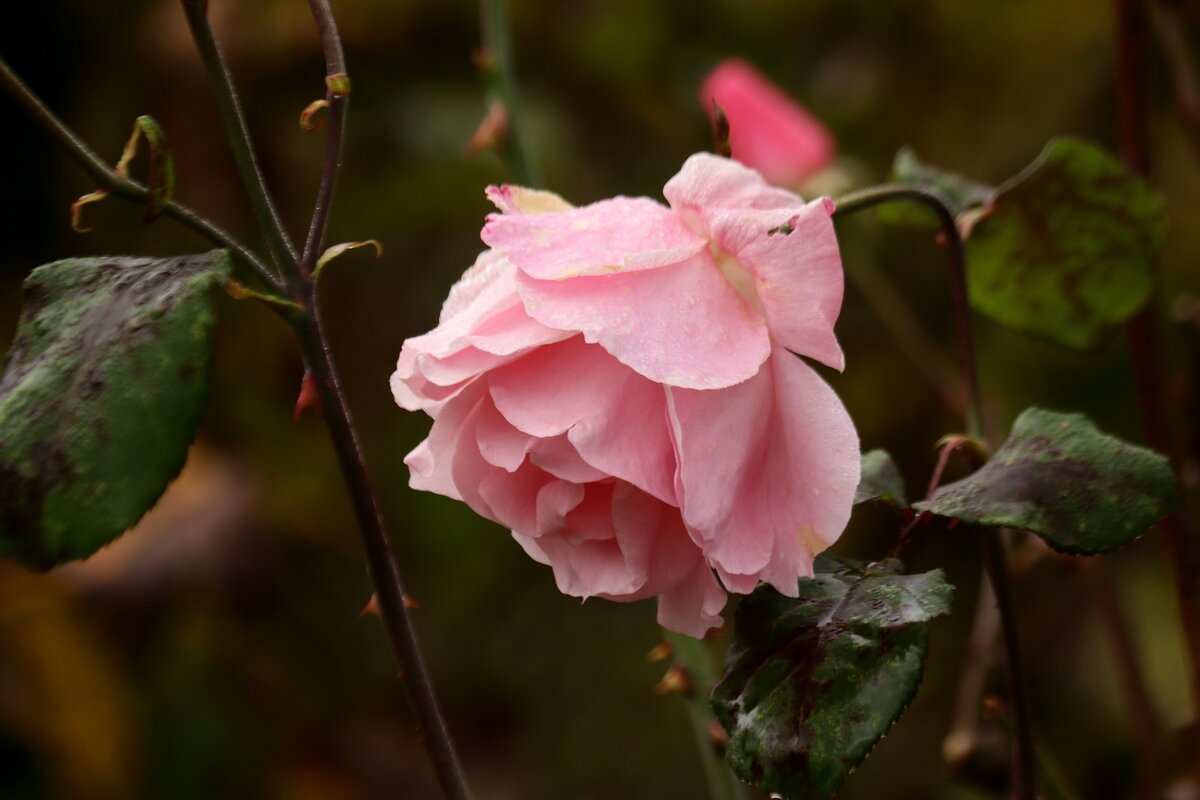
[
  {"x": 613, "y": 384},
  {"x": 768, "y": 130}
]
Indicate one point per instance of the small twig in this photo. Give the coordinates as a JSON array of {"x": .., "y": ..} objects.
[
  {"x": 336, "y": 102},
  {"x": 126, "y": 188},
  {"x": 280, "y": 246},
  {"x": 500, "y": 73}
]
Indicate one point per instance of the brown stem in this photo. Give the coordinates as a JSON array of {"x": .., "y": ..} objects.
[
  {"x": 1024, "y": 759},
  {"x": 283, "y": 252},
  {"x": 381, "y": 562},
  {"x": 1129, "y": 670},
  {"x": 1141, "y": 332},
  {"x": 337, "y": 97}
]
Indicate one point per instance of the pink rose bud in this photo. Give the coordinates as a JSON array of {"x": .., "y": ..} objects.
[
  {"x": 768, "y": 130},
  {"x": 613, "y": 384}
]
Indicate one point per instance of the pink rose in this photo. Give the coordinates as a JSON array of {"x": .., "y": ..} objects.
[
  {"x": 768, "y": 130},
  {"x": 613, "y": 384}
]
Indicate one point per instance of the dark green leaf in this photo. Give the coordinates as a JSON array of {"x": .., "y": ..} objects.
[
  {"x": 100, "y": 398},
  {"x": 812, "y": 683},
  {"x": 1064, "y": 250},
  {"x": 959, "y": 194},
  {"x": 1081, "y": 490},
  {"x": 880, "y": 480}
]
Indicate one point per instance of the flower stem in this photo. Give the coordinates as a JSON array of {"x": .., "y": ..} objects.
[
  {"x": 279, "y": 245},
  {"x": 1024, "y": 756},
  {"x": 500, "y": 75},
  {"x": 106, "y": 177},
  {"x": 694, "y": 657},
  {"x": 956, "y": 261},
  {"x": 338, "y": 101}
]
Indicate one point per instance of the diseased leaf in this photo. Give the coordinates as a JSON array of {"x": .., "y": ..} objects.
[
  {"x": 1064, "y": 250},
  {"x": 960, "y": 194},
  {"x": 880, "y": 480},
  {"x": 100, "y": 398},
  {"x": 1082, "y": 491},
  {"x": 812, "y": 683}
]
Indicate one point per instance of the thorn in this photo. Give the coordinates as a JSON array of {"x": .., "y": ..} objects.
[
  {"x": 372, "y": 606},
  {"x": 308, "y": 117},
  {"x": 492, "y": 129},
  {"x": 993, "y": 708},
  {"x": 409, "y": 602},
  {"x": 77, "y": 210},
  {"x": 306, "y": 399},
  {"x": 717, "y": 736},
  {"x": 661, "y": 652},
  {"x": 676, "y": 680}
]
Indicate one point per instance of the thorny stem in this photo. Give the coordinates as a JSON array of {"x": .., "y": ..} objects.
[
  {"x": 279, "y": 245},
  {"x": 1141, "y": 331},
  {"x": 1024, "y": 758},
  {"x": 694, "y": 657},
  {"x": 106, "y": 177},
  {"x": 500, "y": 74},
  {"x": 381, "y": 561},
  {"x": 335, "y": 68}
]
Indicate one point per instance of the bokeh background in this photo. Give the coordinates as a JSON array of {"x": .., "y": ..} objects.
[{"x": 217, "y": 651}]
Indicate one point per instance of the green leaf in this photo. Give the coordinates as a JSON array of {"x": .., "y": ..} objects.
[
  {"x": 959, "y": 194},
  {"x": 1082, "y": 491},
  {"x": 100, "y": 398},
  {"x": 880, "y": 480},
  {"x": 1064, "y": 250},
  {"x": 812, "y": 683}
]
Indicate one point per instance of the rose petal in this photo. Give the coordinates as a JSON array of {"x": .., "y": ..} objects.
[
  {"x": 431, "y": 462},
  {"x": 615, "y": 418},
  {"x": 708, "y": 183},
  {"x": 483, "y": 325},
  {"x": 682, "y": 325},
  {"x": 798, "y": 275},
  {"x": 617, "y": 235},
  {"x": 693, "y": 605},
  {"x": 765, "y": 498},
  {"x": 512, "y": 199}
]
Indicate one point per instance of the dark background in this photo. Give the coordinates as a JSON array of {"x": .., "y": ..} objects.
[{"x": 217, "y": 651}]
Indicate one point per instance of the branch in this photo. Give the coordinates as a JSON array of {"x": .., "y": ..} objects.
[
  {"x": 106, "y": 177},
  {"x": 337, "y": 98},
  {"x": 283, "y": 252}
]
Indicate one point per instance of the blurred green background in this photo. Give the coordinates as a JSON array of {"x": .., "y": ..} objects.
[{"x": 217, "y": 651}]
